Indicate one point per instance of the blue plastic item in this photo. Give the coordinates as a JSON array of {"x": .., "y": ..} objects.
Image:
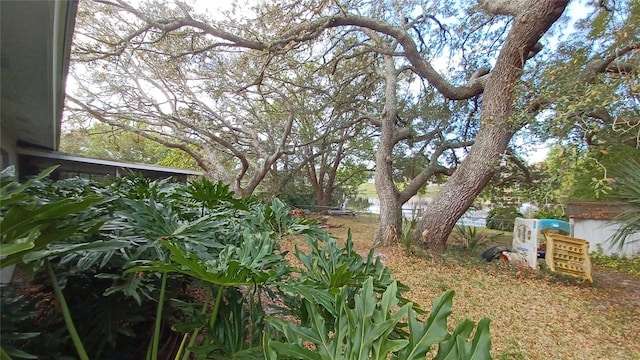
[{"x": 562, "y": 227}]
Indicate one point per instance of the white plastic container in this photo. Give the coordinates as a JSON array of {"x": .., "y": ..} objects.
[{"x": 525, "y": 240}]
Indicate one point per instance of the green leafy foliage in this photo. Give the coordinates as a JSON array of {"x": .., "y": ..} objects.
[
  {"x": 152, "y": 246},
  {"x": 30, "y": 226},
  {"x": 502, "y": 218},
  {"x": 408, "y": 231},
  {"x": 588, "y": 91},
  {"x": 556, "y": 212},
  {"x": 472, "y": 236},
  {"x": 627, "y": 190},
  {"x": 592, "y": 105},
  {"x": 368, "y": 327},
  {"x": 15, "y": 310},
  {"x": 333, "y": 267},
  {"x": 33, "y": 230},
  {"x": 275, "y": 215},
  {"x": 358, "y": 332},
  {"x": 233, "y": 266},
  {"x": 574, "y": 173},
  {"x": 103, "y": 141},
  {"x": 631, "y": 265}
]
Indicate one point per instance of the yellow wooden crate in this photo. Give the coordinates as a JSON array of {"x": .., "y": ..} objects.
[{"x": 568, "y": 255}]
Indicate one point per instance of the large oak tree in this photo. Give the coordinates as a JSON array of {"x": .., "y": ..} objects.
[{"x": 280, "y": 31}]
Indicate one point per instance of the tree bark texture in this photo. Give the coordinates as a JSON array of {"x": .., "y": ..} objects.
[
  {"x": 390, "y": 225},
  {"x": 496, "y": 130}
]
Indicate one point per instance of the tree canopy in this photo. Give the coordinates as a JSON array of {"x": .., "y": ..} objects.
[{"x": 426, "y": 89}]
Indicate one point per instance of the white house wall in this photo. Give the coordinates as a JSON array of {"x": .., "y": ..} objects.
[
  {"x": 598, "y": 232},
  {"x": 9, "y": 157}
]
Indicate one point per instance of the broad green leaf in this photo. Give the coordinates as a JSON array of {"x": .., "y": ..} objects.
[
  {"x": 268, "y": 352},
  {"x": 65, "y": 207},
  {"x": 455, "y": 346},
  {"x": 389, "y": 300},
  {"x": 254, "y": 352},
  {"x": 231, "y": 274},
  {"x": 392, "y": 346},
  {"x": 47, "y": 236},
  {"x": 95, "y": 247},
  {"x": 10, "y": 249},
  {"x": 481, "y": 344},
  {"x": 11, "y": 192},
  {"x": 423, "y": 336},
  {"x": 16, "y": 353},
  {"x": 294, "y": 351},
  {"x": 312, "y": 294}
]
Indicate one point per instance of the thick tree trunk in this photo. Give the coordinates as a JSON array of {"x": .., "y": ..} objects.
[
  {"x": 324, "y": 201},
  {"x": 461, "y": 189},
  {"x": 496, "y": 129},
  {"x": 390, "y": 225}
]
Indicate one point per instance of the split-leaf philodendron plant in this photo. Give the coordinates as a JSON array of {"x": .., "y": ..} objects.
[{"x": 165, "y": 270}]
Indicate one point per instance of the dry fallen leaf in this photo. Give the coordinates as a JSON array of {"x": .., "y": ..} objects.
[{"x": 531, "y": 317}]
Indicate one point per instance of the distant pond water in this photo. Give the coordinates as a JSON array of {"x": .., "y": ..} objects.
[{"x": 414, "y": 207}]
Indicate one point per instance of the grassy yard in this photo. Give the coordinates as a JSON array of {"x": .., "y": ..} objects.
[{"x": 534, "y": 315}]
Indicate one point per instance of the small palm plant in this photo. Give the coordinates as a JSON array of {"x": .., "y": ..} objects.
[
  {"x": 627, "y": 190},
  {"x": 471, "y": 236},
  {"x": 408, "y": 231}
]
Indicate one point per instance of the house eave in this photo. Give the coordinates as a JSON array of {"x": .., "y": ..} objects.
[
  {"x": 591, "y": 210},
  {"x": 40, "y": 159}
]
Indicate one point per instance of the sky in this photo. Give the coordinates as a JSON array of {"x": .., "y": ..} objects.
[{"x": 576, "y": 10}]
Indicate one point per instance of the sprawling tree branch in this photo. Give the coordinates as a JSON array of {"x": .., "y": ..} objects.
[
  {"x": 307, "y": 31},
  {"x": 504, "y": 7},
  {"x": 423, "y": 68},
  {"x": 609, "y": 64},
  {"x": 181, "y": 144}
]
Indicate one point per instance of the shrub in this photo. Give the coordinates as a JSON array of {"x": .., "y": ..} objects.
[
  {"x": 552, "y": 213},
  {"x": 631, "y": 265},
  {"x": 408, "y": 232},
  {"x": 195, "y": 270},
  {"x": 502, "y": 218},
  {"x": 365, "y": 326}
]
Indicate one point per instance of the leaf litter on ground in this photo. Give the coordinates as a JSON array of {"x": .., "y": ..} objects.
[{"x": 533, "y": 315}]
